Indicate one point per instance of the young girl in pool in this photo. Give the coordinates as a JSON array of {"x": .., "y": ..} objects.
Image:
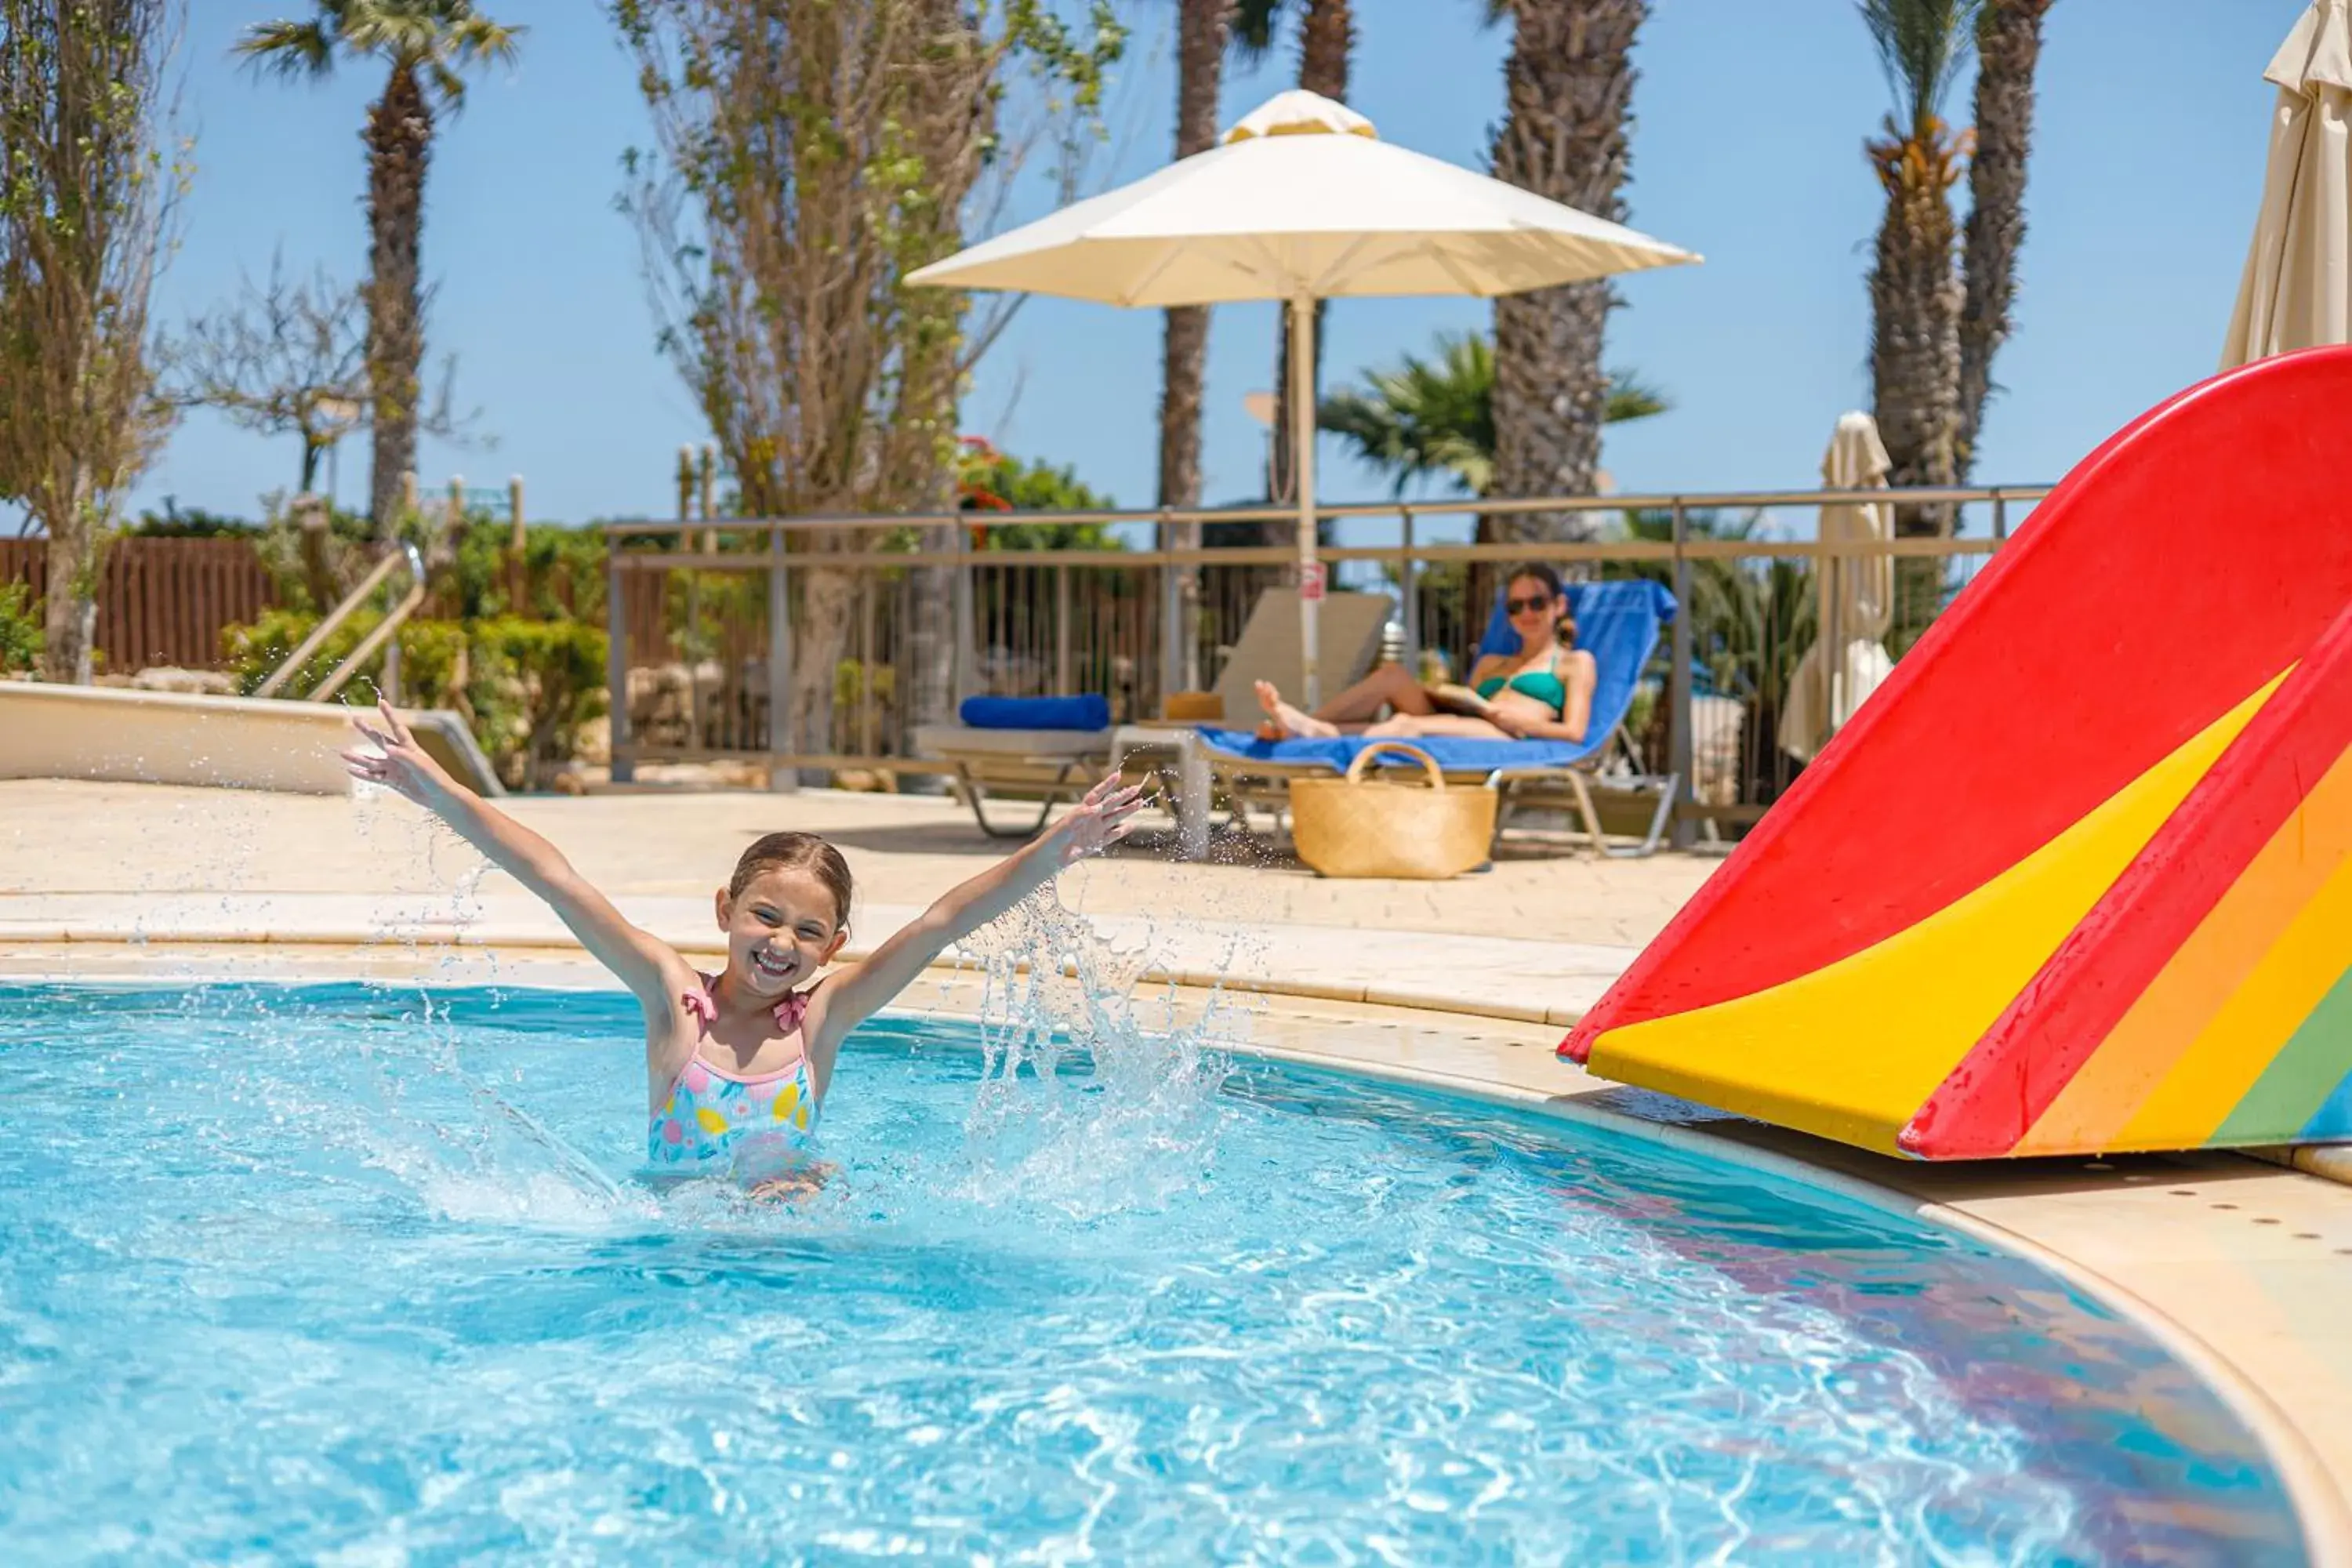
[{"x": 737, "y": 1063}]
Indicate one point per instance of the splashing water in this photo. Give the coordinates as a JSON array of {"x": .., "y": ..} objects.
[{"x": 1087, "y": 1101}]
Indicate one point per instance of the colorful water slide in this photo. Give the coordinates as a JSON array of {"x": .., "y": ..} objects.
[{"x": 2078, "y": 877}]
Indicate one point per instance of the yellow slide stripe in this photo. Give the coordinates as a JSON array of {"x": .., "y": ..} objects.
[{"x": 1851, "y": 1051}]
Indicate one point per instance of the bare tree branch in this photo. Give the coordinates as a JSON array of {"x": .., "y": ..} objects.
[{"x": 291, "y": 359}]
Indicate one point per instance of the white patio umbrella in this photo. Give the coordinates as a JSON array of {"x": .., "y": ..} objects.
[
  {"x": 2297, "y": 288},
  {"x": 1855, "y": 581},
  {"x": 1303, "y": 201}
]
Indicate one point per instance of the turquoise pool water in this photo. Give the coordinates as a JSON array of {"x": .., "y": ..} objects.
[{"x": 338, "y": 1274}]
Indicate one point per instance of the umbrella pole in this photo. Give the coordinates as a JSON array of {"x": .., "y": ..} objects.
[{"x": 1302, "y": 471}]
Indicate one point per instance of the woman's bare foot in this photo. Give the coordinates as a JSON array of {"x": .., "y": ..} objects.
[{"x": 1289, "y": 720}]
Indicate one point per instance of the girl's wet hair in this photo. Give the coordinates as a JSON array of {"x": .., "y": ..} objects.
[
  {"x": 797, "y": 852},
  {"x": 1564, "y": 631}
]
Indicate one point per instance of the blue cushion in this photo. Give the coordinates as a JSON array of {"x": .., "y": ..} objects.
[
  {"x": 1454, "y": 753},
  {"x": 1091, "y": 711}
]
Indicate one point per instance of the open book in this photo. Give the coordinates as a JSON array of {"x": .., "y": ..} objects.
[{"x": 1461, "y": 699}]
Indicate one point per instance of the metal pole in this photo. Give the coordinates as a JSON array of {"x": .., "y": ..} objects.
[
  {"x": 709, "y": 474},
  {"x": 1062, "y": 685},
  {"x": 1828, "y": 634},
  {"x": 782, "y": 725},
  {"x": 867, "y": 739},
  {"x": 616, "y": 662},
  {"x": 961, "y": 592},
  {"x": 1302, "y": 470},
  {"x": 1999, "y": 515},
  {"x": 1409, "y": 584},
  {"x": 694, "y": 627},
  {"x": 1174, "y": 654},
  {"x": 1679, "y": 748}
]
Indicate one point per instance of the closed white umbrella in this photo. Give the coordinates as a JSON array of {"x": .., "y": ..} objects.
[
  {"x": 1303, "y": 201},
  {"x": 1854, "y": 577},
  {"x": 2297, "y": 288}
]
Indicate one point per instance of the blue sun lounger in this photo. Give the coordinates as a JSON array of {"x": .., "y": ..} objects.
[{"x": 1618, "y": 623}]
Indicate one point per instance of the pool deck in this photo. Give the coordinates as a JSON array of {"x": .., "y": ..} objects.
[{"x": 2241, "y": 1268}]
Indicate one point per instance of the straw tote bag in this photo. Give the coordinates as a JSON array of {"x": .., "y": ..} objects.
[{"x": 1358, "y": 826}]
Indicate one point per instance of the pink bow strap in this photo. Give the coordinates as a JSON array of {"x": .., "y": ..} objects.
[{"x": 790, "y": 1012}]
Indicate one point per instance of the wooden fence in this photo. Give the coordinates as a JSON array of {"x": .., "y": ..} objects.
[{"x": 159, "y": 601}]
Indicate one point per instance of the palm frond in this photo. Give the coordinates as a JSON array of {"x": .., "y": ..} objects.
[
  {"x": 1431, "y": 418},
  {"x": 1425, "y": 419},
  {"x": 449, "y": 87},
  {"x": 478, "y": 40},
  {"x": 1921, "y": 44},
  {"x": 288, "y": 48},
  {"x": 1629, "y": 398},
  {"x": 1254, "y": 24}
]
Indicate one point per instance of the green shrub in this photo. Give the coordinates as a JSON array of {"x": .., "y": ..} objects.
[
  {"x": 20, "y": 629},
  {"x": 524, "y": 687},
  {"x": 563, "y": 572},
  {"x": 533, "y": 685}
]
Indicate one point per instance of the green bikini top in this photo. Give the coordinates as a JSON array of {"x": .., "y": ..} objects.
[{"x": 1541, "y": 684}]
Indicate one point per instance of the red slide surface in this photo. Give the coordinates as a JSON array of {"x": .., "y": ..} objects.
[{"x": 2192, "y": 558}]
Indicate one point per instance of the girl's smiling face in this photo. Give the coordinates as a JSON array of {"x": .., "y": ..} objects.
[{"x": 783, "y": 926}]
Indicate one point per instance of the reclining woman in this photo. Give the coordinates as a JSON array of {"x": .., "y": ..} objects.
[{"x": 1542, "y": 692}]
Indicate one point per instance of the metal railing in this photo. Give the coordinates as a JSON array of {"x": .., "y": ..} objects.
[
  {"x": 715, "y": 622},
  {"x": 382, "y": 633}
]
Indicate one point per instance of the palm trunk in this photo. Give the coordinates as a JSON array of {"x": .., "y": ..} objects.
[
  {"x": 1203, "y": 26},
  {"x": 1915, "y": 347},
  {"x": 1327, "y": 45},
  {"x": 399, "y": 138},
  {"x": 1569, "y": 90},
  {"x": 2009, "y": 47}
]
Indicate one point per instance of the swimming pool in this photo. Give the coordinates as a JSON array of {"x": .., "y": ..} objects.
[{"x": 334, "y": 1272}]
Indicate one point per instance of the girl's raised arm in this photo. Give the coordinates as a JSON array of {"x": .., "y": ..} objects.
[
  {"x": 1099, "y": 820},
  {"x": 644, "y": 965}
]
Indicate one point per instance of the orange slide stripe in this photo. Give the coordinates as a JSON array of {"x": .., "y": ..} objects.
[
  {"x": 2164, "y": 1025},
  {"x": 2225, "y": 1057}
]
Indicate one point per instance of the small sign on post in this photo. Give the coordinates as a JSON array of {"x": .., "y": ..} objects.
[{"x": 1311, "y": 577}]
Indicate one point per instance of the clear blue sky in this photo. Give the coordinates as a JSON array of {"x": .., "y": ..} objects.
[{"x": 2146, "y": 171}]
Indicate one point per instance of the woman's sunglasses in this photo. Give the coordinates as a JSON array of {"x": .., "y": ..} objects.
[{"x": 1525, "y": 606}]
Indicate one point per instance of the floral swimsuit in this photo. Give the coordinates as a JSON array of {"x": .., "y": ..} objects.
[{"x": 715, "y": 1119}]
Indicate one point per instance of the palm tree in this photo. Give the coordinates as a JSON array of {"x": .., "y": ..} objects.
[
  {"x": 1436, "y": 418},
  {"x": 1201, "y": 29},
  {"x": 1569, "y": 86},
  {"x": 1327, "y": 46},
  {"x": 425, "y": 44},
  {"x": 2009, "y": 47},
  {"x": 1916, "y": 293},
  {"x": 1914, "y": 290}
]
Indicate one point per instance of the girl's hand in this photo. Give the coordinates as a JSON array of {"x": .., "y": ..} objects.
[
  {"x": 403, "y": 766},
  {"x": 1511, "y": 725},
  {"x": 1099, "y": 821}
]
